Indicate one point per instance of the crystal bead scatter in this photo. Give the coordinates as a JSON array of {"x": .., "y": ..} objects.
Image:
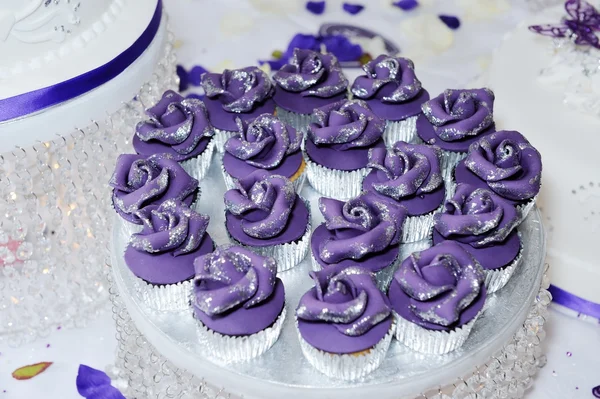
[
  {"x": 54, "y": 229},
  {"x": 142, "y": 372}
]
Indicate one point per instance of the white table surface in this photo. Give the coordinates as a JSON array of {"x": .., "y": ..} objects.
[{"x": 237, "y": 33}]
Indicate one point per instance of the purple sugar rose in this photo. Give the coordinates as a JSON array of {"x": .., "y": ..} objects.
[
  {"x": 350, "y": 300},
  {"x": 396, "y": 74},
  {"x": 405, "y": 170},
  {"x": 508, "y": 163},
  {"x": 363, "y": 225},
  {"x": 345, "y": 124},
  {"x": 232, "y": 278},
  {"x": 477, "y": 217},
  {"x": 139, "y": 181},
  {"x": 441, "y": 282},
  {"x": 238, "y": 90},
  {"x": 177, "y": 126},
  {"x": 460, "y": 114},
  {"x": 312, "y": 74},
  {"x": 171, "y": 227},
  {"x": 264, "y": 202},
  {"x": 264, "y": 142}
]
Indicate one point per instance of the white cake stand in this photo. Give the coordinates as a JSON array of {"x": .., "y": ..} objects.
[{"x": 160, "y": 356}]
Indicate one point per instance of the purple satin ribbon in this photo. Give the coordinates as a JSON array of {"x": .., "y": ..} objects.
[
  {"x": 35, "y": 101},
  {"x": 574, "y": 302}
]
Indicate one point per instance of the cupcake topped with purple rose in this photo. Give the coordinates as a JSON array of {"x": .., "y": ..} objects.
[
  {"x": 239, "y": 93},
  {"x": 266, "y": 143},
  {"x": 363, "y": 231},
  {"x": 344, "y": 314},
  {"x": 437, "y": 295},
  {"x": 311, "y": 80},
  {"x": 506, "y": 163},
  {"x": 162, "y": 255},
  {"x": 394, "y": 93},
  {"x": 238, "y": 301},
  {"x": 265, "y": 213},
  {"x": 139, "y": 181},
  {"x": 484, "y": 225},
  {"x": 179, "y": 127},
  {"x": 337, "y": 147},
  {"x": 457, "y": 118}
]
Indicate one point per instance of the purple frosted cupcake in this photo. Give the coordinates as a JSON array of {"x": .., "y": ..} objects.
[
  {"x": 311, "y": 80},
  {"x": 345, "y": 323},
  {"x": 454, "y": 120},
  {"x": 337, "y": 147},
  {"x": 139, "y": 181},
  {"x": 240, "y": 93},
  {"x": 506, "y": 163},
  {"x": 162, "y": 255},
  {"x": 238, "y": 302},
  {"x": 179, "y": 127},
  {"x": 437, "y": 295},
  {"x": 485, "y": 226},
  {"x": 364, "y": 231},
  {"x": 265, "y": 214},
  {"x": 408, "y": 174},
  {"x": 394, "y": 93},
  {"x": 268, "y": 144}
]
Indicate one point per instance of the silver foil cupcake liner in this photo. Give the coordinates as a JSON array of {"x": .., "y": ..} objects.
[
  {"x": 169, "y": 297},
  {"x": 404, "y": 130},
  {"x": 221, "y": 137},
  {"x": 496, "y": 279},
  {"x": 383, "y": 278},
  {"x": 448, "y": 162},
  {"x": 232, "y": 349},
  {"x": 127, "y": 229},
  {"x": 334, "y": 183},
  {"x": 348, "y": 367},
  {"x": 295, "y": 120},
  {"x": 287, "y": 255},
  {"x": 230, "y": 181},
  {"x": 431, "y": 342},
  {"x": 418, "y": 228},
  {"x": 198, "y": 167},
  {"x": 526, "y": 208}
]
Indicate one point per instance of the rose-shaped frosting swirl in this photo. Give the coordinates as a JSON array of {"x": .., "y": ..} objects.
[
  {"x": 312, "y": 74},
  {"x": 264, "y": 202},
  {"x": 238, "y": 90},
  {"x": 441, "y": 281},
  {"x": 349, "y": 299},
  {"x": 477, "y": 217},
  {"x": 458, "y": 114},
  {"x": 232, "y": 277},
  {"x": 264, "y": 142},
  {"x": 361, "y": 226},
  {"x": 345, "y": 124},
  {"x": 176, "y": 125},
  {"x": 385, "y": 71},
  {"x": 406, "y": 169},
  {"x": 170, "y": 227},
  {"x": 509, "y": 164},
  {"x": 138, "y": 181}
]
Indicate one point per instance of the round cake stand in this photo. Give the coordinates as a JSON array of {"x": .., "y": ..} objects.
[{"x": 159, "y": 355}]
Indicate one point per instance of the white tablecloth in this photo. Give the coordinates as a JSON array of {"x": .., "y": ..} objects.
[{"x": 231, "y": 34}]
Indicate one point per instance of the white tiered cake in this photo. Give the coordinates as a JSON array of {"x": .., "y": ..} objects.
[{"x": 541, "y": 91}]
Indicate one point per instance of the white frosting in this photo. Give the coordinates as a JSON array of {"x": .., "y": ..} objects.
[
  {"x": 100, "y": 102},
  {"x": 568, "y": 141},
  {"x": 44, "y": 42}
]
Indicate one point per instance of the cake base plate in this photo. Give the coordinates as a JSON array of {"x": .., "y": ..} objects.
[{"x": 284, "y": 372}]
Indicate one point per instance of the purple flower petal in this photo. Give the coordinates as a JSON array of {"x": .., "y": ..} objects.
[
  {"x": 406, "y": 5},
  {"x": 451, "y": 21},
  {"x": 195, "y": 75},
  {"x": 191, "y": 78},
  {"x": 352, "y": 8},
  {"x": 342, "y": 48},
  {"x": 316, "y": 7},
  {"x": 183, "y": 78},
  {"x": 95, "y": 384}
]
